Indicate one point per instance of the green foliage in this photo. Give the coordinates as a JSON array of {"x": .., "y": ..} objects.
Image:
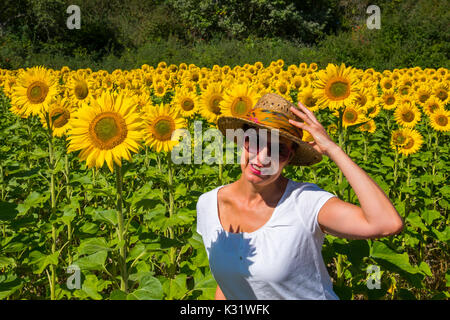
[
  {"x": 305, "y": 21},
  {"x": 411, "y": 34}
]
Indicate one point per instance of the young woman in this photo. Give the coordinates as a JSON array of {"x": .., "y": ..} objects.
[{"x": 264, "y": 233}]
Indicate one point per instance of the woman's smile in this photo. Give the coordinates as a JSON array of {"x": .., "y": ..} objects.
[{"x": 255, "y": 169}]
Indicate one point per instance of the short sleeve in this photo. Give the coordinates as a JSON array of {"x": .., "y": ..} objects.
[{"x": 310, "y": 200}]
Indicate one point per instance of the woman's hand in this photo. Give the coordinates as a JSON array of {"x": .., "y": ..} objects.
[{"x": 322, "y": 141}]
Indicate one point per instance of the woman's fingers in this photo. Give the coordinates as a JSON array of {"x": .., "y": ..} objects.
[
  {"x": 301, "y": 125},
  {"x": 308, "y": 112},
  {"x": 301, "y": 115}
]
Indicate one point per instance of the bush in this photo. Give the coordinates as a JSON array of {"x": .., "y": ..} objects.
[{"x": 412, "y": 34}]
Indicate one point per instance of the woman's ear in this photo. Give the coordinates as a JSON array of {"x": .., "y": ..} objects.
[{"x": 294, "y": 150}]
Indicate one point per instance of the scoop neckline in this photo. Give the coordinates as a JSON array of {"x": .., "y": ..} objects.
[{"x": 260, "y": 228}]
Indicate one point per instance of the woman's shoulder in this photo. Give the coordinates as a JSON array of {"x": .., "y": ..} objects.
[{"x": 207, "y": 197}]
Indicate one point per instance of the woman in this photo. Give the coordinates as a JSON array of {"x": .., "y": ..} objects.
[{"x": 264, "y": 233}]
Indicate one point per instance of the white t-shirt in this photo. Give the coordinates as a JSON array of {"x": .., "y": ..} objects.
[{"x": 280, "y": 260}]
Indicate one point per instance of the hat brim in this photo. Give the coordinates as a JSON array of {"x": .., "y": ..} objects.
[{"x": 305, "y": 155}]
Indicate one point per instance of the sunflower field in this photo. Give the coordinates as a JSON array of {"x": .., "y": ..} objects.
[{"x": 92, "y": 207}]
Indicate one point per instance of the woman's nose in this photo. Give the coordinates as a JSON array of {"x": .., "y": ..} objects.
[{"x": 263, "y": 156}]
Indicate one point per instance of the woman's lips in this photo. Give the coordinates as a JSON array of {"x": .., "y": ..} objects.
[{"x": 254, "y": 169}]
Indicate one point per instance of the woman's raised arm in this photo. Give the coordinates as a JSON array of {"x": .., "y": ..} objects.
[{"x": 377, "y": 217}]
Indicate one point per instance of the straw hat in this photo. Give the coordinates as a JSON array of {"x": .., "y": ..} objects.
[{"x": 272, "y": 112}]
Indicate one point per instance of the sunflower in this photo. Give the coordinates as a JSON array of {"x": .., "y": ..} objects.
[
  {"x": 239, "y": 100},
  {"x": 142, "y": 101},
  {"x": 423, "y": 93},
  {"x": 406, "y": 141},
  {"x": 387, "y": 83},
  {"x": 161, "y": 122},
  {"x": 389, "y": 99},
  {"x": 440, "y": 120},
  {"x": 282, "y": 88},
  {"x": 160, "y": 89},
  {"x": 210, "y": 102},
  {"x": 306, "y": 96},
  {"x": 404, "y": 90},
  {"x": 79, "y": 89},
  {"x": 368, "y": 126},
  {"x": 407, "y": 115},
  {"x": 297, "y": 82},
  {"x": 353, "y": 114},
  {"x": 398, "y": 138},
  {"x": 372, "y": 109},
  {"x": 59, "y": 112},
  {"x": 335, "y": 86},
  {"x": 186, "y": 102},
  {"x": 332, "y": 128},
  {"x": 106, "y": 130},
  {"x": 432, "y": 105},
  {"x": 441, "y": 92},
  {"x": 33, "y": 91}
]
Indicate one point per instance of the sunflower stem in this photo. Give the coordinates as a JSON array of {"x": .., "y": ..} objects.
[
  {"x": 172, "y": 250},
  {"x": 120, "y": 231},
  {"x": 51, "y": 159},
  {"x": 435, "y": 159},
  {"x": 69, "y": 193},
  {"x": 365, "y": 146},
  {"x": 2, "y": 183},
  {"x": 396, "y": 166},
  {"x": 342, "y": 146}
]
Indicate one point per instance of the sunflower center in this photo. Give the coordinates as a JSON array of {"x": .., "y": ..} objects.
[
  {"x": 388, "y": 85},
  {"x": 433, "y": 107},
  {"x": 350, "y": 116},
  {"x": 408, "y": 116},
  {"x": 240, "y": 106},
  {"x": 409, "y": 144},
  {"x": 424, "y": 97},
  {"x": 399, "y": 139},
  {"x": 339, "y": 90},
  {"x": 59, "y": 117},
  {"x": 282, "y": 88},
  {"x": 390, "y": 100},
  {"x": 163, "y": 128},
  {"x": 81, "y": 90},
  {"x": 362, "y": 100},
  {"x": 441, "y": 94},
  {"x": 187, "y": 105},
  {"x": 108, "y": 130},
  {"x": 214, "y": 104},
  {"x": 404, "y": 91},
  {"x": 442, "y": 120},
  {"x": 37, "y": 92},
  {"x": 310, "y": 102}
]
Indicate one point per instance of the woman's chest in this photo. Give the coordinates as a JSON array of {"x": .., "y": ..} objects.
[
  {"x": 238, "y": 218},
  {"x": 271, "y": 254}
]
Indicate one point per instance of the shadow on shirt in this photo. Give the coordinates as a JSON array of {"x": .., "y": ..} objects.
[{"x": 230, "y": 258}]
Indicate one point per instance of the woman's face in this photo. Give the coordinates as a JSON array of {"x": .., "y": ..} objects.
[{"x": 256, "y": 159}]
